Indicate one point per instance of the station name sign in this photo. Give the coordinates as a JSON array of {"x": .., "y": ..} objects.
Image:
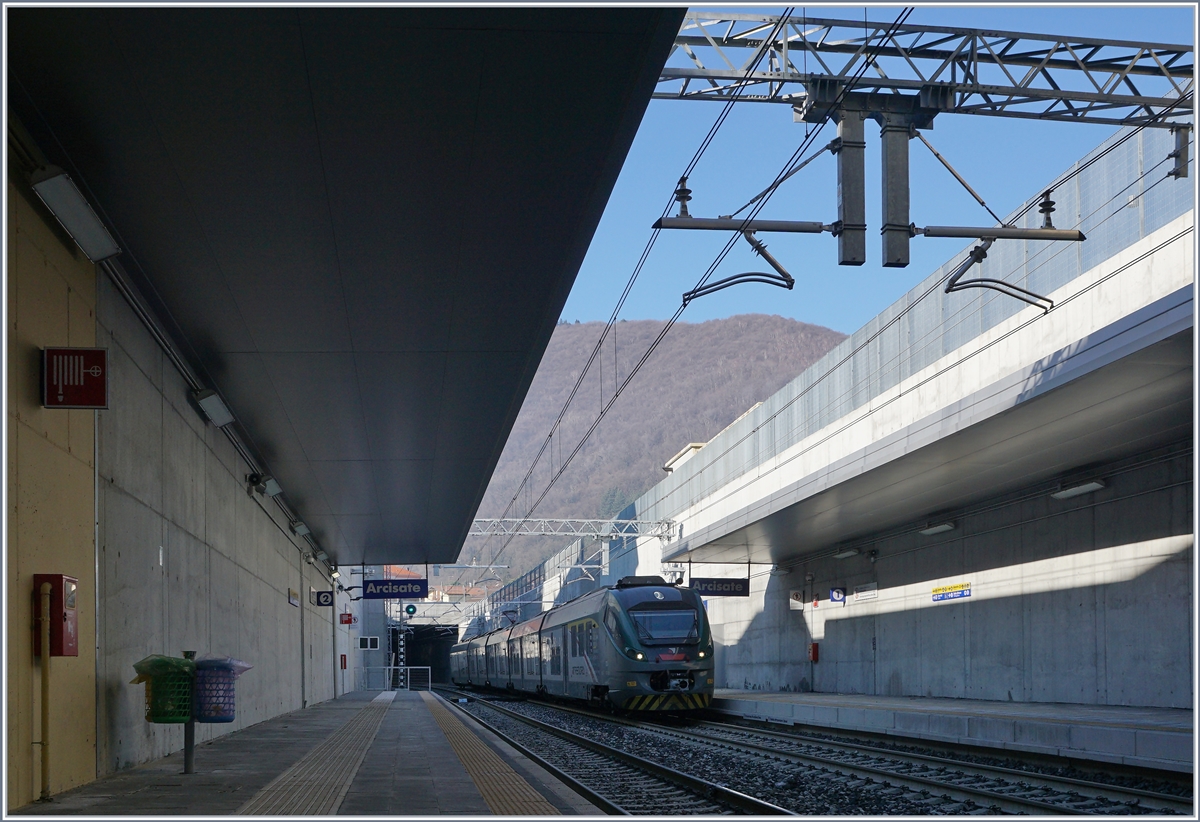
[
  {"x": 721, "y": 587},
  {"x": 395, "y": 589}
]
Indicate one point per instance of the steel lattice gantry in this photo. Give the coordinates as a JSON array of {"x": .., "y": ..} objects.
[
  {"x": 903, "y": 75},
  {"x": 599, "y": 528},
  {"x": 964, "y": 71}
]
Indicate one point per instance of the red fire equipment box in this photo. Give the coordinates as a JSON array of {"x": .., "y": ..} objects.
[
  {"x": 813, "y": 652},
  {"x": 64, "y": 623}
]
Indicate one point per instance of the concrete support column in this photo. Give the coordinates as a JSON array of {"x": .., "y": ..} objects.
[
  {"x": 894, "y": 133},
  {"x": 852, "y": 203}
]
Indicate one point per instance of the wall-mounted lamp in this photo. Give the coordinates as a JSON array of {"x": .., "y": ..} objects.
[
  {"x": 936, "y": 528},
  {"x": 1077, "y": 490},
  {"x": 213, "y": 406},
  {"x": 846, "y": 553},
  {"x": 324, "y": 557},
  {"x": 335, "y": 573},
  {"x": 300, "y": 530},
  {"x": 72, "y": 210},
  {"x": 776, "y": 571}
]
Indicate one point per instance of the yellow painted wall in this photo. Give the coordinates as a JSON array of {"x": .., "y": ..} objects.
[{"x": 51, "y": 492}]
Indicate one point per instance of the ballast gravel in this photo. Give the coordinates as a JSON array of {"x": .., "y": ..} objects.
[{"x": 799, "y": 788}]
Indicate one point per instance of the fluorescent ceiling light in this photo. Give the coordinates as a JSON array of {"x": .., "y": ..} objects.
[
  {"x": 846, "y": 553},
  {"x": 212, "y": 405},
  {"x": 938, "y": 528},
  {"x": 1077, "y": 490},
  {"x": 59, "y": 193},
  {"x": 300, "y": 529}
]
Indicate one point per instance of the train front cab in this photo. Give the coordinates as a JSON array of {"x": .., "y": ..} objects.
[{"x": 660, "y": 634}]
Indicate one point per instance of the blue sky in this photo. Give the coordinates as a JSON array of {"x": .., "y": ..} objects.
[{"x": 1005, "y": 160}]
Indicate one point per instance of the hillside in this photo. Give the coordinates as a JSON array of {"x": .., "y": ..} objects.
[{"x": 702, "y": 377}]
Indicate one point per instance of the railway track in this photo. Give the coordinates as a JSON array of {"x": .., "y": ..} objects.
[
  {"x": 612, "y": 779},
  {"x": 1082, "y": 795},
  {"x": 792, "y": 770}
]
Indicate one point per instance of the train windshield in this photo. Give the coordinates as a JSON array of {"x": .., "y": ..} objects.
[{"x": 666, "y": 626}]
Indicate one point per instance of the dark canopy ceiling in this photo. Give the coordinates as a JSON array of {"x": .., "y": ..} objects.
[{"x": 361, "y": 224}]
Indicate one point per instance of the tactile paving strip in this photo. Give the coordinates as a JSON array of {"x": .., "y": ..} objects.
[
  {"x": 504, "y": 790},
  {"x": 317, "y": 784}
]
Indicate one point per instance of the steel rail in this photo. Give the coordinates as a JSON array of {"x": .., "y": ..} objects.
[
  {"x": 924, "y": 782},
  {"x": 1082, "y": 787},
  {"x": 702, "y": 787},
  {"x": 958, "y": 793},
  {"x": 574, "y": 784},
  {"x": 1097, "y": 790}
]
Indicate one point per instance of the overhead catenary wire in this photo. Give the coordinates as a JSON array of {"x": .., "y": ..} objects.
[
  {"x": 788, "y": 172},
  {"x": 930, "y": 335},
  {"x": 805, "y": 144},
  {"x": 936, "y": 284},
  {"x": 598, "y": 348},
  {"x": 1066, "y": 177}
]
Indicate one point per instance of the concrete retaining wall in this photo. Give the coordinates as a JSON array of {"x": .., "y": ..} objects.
[
  {"x": 189, "y": 560},
  {"x": 1087, "y": 600},
  {"x": 51, "y": 493}
]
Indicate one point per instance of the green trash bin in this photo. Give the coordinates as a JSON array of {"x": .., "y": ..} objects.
[{"x": 169, "y": 682}]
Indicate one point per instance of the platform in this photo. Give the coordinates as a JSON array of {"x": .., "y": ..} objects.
[
  {"x": 1145, "y": 737},
  {"x": 401, "y": 753}
]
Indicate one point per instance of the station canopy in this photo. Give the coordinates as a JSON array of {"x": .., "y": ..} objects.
[{"x": 360, "y": 225}]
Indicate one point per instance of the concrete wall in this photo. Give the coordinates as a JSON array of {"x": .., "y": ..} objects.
[
  {"x": 51, "y": 496},
  {"x": 189, "y": 560},
  {"x": 1087, "y": 600}
]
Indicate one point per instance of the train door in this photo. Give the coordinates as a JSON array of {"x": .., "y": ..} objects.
[
  {"x": 553, "y": 662},
  {"x": 533, "y": 663},
  {"x": 582, "y": 661},
  {"x": 515, "y": 668},
  {"x": 492, "y": 663},
  {"x": 479, "y": 671}
]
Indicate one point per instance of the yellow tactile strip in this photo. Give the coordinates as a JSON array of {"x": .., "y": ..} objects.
[
  {"x": 317, "y": 784},
  {"x": 504, "y": 790}
]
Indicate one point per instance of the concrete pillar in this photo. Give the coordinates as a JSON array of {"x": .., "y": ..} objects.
[
  {"x": 852, "y": 204},
  {"x": 894, "y": 133}
]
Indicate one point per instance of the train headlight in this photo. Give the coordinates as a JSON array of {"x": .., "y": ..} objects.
[
  {"x": 701, "y": 654},
  {"x": 639, "y": 655}
]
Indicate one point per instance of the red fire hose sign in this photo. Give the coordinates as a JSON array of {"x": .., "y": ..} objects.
[{"x": 75, "y": 378}]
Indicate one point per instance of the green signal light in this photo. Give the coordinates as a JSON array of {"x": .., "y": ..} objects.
[{"x": 410, "y": 609}]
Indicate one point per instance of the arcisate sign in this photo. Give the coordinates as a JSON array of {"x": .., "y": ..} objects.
[
  {"x": 721, "y": 587},
  {"x": 395, "y": 589}
]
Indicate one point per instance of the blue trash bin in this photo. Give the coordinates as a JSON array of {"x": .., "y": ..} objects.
[{"x": 213, "y": 691}]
